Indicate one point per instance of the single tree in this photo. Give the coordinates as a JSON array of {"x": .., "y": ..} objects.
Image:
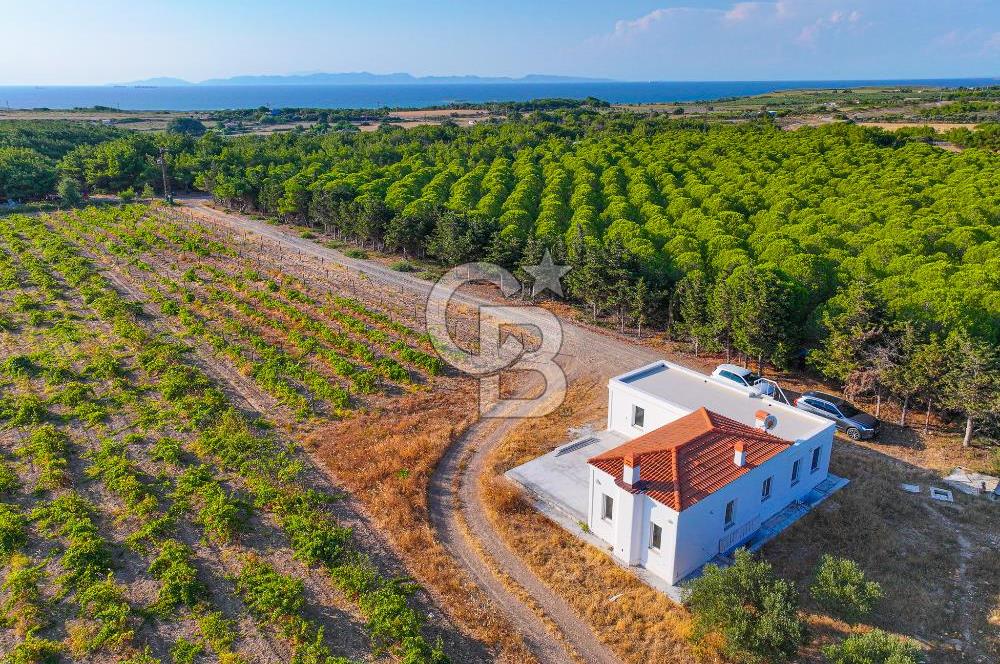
[
  {"x": 754, "y": 613},
  {"x": 930, "y": 365},
  {"x": 693, "y": 296},
  {"x": 854, "y": 322},
  {"x": 639, "y": 304},
  {"x": 840, "y": 587},
  {"x": 69, "y": 192},
  {"x": 971, "y": 385},
  {"x": 186, "y": 126}
]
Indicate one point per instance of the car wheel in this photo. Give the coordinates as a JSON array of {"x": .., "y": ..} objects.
[{"x": 853, "y": 434}]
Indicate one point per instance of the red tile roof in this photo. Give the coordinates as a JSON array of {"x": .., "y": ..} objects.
[{"x": 683, "y": 461}]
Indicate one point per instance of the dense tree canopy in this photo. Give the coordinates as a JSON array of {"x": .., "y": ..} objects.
[
  {"x": 740, "y": 237},
  {"x": 25, "y": 174}
]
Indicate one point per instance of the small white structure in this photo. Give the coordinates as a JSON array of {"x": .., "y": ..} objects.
[{"x": 705, "y": 465}]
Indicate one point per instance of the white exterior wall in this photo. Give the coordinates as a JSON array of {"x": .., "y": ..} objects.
[
  {"x": 601, "y": 483},
  {"x": 701, "y": 526},
  {"x": 691, "y": 538},
  {"x": 622, "y": 398},
  {"x": 629, "y": 531}
]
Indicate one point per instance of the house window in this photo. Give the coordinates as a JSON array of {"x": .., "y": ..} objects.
[
  {"x": 765, "y": 489},
  {"x": 638, "y": 416},
  {"x": 815, "y": 459},
  {"x": 655, "y": 537},
  {"x": 795, "y": 471},
  {"x": 730, "y": 513},
  {"x": 607, "y": 507}
]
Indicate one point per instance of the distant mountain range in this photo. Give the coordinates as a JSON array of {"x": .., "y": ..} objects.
[{"x": 361, "y": 78}]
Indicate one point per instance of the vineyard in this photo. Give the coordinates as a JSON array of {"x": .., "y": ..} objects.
[{"x": 155, "y": 505}]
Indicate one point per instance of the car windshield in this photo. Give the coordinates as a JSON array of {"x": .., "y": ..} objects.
[{"x": 847, "y": 410}]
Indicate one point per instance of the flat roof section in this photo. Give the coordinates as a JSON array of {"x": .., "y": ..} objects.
[{"x": 690, "y": 390}]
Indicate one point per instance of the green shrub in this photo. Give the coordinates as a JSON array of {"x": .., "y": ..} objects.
[
  {"x": 185, "y": 652},
  {"x": 403, "y": 266},
  {"x": 145, "y": 656},
  {"x": 148, "y": 531},
  {"x": 314, "y": 538},
  {"x": 178, "y": 577},
  {"x": 90, "y": 413},
  {"x": 86, "y": 558},
  {"x": 105, "y": 366},
  {"x": 73, "y": 394},
  {"x": 840, "y": 587},
  {"x": 121, "y": 476},
  {"x": 167, "y": 450},
  {"x": 754, "y": 613},
  {"x": 270, "y": 595},
  {"x": 22, "y": 605},
  {"x": 34, "y": 650},
  {"x": 217, "y": 631},
  {"x": 874, "y": 647},
  {"x": 356, "y": 253},
  {"x": 48, "y": 447},
  {"x": 314, "y": 650},
  {"x": 218, "y": 513},
  {"x": 221, "y": 515},
  {"x": 13, "y": 530},
  {"x": 18, "y": 366},
  {"x": 22, "y": 410},
  {"x": 8, "y": 479},
  {"x": 105, "y": 603}
]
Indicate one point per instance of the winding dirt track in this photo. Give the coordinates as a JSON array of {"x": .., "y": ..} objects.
[{"x": 455, "y": 502}]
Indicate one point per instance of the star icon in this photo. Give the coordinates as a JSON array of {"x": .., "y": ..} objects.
[{"x": 546, "y": 275}]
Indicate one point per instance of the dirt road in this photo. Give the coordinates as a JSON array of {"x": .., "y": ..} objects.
[{"x": 456, "y": 508}]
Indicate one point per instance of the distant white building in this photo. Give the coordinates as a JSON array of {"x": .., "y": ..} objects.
[{"x": 704, "y": 466}]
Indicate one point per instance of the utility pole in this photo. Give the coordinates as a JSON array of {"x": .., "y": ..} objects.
[{"x": 162, "y": 161}]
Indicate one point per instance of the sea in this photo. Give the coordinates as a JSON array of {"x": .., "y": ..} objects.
[{"x": 206, "y": 97}]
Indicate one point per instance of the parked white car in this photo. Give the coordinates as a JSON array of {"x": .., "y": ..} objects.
[{"x": 732, "y": 374}]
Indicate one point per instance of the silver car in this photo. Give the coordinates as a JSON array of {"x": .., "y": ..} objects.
[{"x": 856, "y": 424}]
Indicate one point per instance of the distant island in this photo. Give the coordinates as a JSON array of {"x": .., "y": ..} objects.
[{"x": 361, "y": 78}]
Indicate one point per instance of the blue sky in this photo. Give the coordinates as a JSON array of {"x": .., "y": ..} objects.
[{"x": 100, "y": 41}]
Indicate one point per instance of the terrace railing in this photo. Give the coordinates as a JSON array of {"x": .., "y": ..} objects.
[{"x": 738, "y": 535}]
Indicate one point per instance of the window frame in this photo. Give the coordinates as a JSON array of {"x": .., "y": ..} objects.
[
  {"x": 817, "y": 460},
  {"x": 607, "y": 507},
  {"x": 767, "y": 484},
  {"x": 638, "y": 416},
  {"x": 729, "y": 515},
  {"x": 796, "y": 474},
  {"x": 653, "y": 543}
]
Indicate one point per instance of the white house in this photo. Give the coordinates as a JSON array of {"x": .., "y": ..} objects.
[{"x": 703, "y": 466}]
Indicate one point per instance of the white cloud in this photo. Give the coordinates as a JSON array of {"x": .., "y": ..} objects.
[
  {"x": 803, "y": 21},
  {"x": 627, "y": 29},
  {"x": 978, "y": 41},
  {"x": 809, "y": 33},
  {"x": 742, "y": 11}
]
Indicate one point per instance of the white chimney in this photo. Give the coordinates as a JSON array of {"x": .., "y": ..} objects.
[
  {"x": 739, "y": 454},
  {"x": 630, "y": 474}
]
